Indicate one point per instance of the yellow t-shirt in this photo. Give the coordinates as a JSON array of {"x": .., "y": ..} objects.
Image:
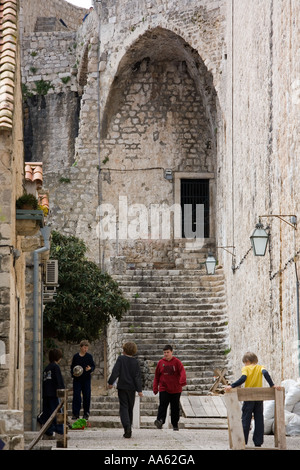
[{"x": 254, "y": 375}]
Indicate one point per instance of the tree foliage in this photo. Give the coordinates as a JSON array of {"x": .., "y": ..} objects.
[{"x": 87, "y": 298}]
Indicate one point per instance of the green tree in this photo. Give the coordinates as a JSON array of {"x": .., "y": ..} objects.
[{"x": 87, "y": 299}]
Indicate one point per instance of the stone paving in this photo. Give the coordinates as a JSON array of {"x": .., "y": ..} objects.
[{"x": 185, "y": 440}]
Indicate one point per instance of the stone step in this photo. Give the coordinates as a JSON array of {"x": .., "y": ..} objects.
[
  {"x": 171, "y": 336},
  {"x": 172, "y": 330},
  {"x": 188, "y": 290},
  {"x": 169, "y": 283},
  {"x": 174, "y": 294},
  {"x": 186, "y": 308},
  {"x": 192, "y": 276},
  {"x": 163, "y": 272},
  {"x": 181, "y": 302},
  {"x": 169, "y": 272},
  {"x": 192, "y": 346},
  {"x": 166, "y": 324},
  {"x": 169, "y": 314},
  {"x": 154, "y": 306},
  {"x": 155, "y": 319}
]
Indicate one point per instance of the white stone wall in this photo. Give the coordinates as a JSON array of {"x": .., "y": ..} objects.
[
  {"x": 251, "y": 52},
  {"x": 257, "y": 176}
]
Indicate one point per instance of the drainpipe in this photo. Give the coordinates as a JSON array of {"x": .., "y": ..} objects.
[{"x": 35, "y": 379}]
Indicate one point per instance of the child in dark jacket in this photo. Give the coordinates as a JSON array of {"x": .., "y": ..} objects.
[
  {"x": 127, "y": 371},
  {"x": 52, "y": 381}
]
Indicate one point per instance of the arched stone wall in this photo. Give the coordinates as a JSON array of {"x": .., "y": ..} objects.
[{"x": 160, "y": 115}]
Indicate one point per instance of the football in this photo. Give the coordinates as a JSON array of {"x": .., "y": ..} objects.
[{"x": 77, "y": 371}]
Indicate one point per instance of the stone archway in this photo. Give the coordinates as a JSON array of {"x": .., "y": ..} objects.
[{"x": 158, "y": 127}]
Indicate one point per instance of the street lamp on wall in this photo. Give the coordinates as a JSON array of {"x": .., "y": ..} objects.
[
  {"x": 260, "y": 236},
  {"x": 259, "y": 240},
  {"x": 210, "y": 264}
]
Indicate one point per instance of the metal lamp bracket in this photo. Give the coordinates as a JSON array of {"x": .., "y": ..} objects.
[{"x": 281, "y": 217}]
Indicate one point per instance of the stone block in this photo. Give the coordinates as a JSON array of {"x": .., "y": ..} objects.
[{"x": 4, "y": 280}]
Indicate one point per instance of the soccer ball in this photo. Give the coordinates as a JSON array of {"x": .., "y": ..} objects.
[{"x": 77, "y": 371}]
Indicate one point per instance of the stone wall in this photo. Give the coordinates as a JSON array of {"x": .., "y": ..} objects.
[
  {"x": 31, "y": 10},
  {"x": 241, "y": 58},
  {"x": 51, "y": 57},
  {"x": 12, "y": 279},
  {"x": 256, "y": 177}
]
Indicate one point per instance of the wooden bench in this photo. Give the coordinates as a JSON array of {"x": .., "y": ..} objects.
[{"x": 235, "y": 428}]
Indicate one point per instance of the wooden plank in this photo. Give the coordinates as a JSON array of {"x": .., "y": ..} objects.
[
  {"x": 186, "y": 407},
  {"x": 198, "y": 409},
  {"x": 209, "y": 406},
  {"x": 235, "y": 428},
  {"x": 219, "y": 374},
  {"x": 279, "y": 420},
  {"x": 220, "y": 405},
  {"x": 255, "y": 393},
  {"x": 199, "y": 406}
]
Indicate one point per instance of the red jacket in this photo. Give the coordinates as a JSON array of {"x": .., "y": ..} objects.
[{"x": 169, "y": 376}]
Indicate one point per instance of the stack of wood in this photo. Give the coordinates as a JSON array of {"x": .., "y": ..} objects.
[{"x": 218, "y": 388}]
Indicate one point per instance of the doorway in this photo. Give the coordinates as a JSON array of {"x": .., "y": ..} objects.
[{"x": 194, "y": 200}]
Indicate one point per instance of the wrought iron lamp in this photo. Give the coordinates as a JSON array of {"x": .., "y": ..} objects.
[
  {"x": 259, "y": 240},
  {"x": 210, "y": 264},
  {"x": 260, "y": 237}
]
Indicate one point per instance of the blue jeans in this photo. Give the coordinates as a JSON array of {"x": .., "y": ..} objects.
[
  {"x": 84, "y": 388},
  {"x": 255, "y": 408}
]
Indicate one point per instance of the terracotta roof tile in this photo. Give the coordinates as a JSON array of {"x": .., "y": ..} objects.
[
  {"x": 8, "y": 46},
  {"x": 34, "y": 172}
]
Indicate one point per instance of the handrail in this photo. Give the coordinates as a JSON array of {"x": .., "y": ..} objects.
[{"x": 63, "y": 394}]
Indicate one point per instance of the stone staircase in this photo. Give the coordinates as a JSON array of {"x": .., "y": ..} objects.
[{"x": 184, "y": 308}]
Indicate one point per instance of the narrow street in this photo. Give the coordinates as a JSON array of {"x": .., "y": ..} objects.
[{"x": 183, "y": 442}]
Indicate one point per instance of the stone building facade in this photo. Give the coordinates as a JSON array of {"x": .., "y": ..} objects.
[
  {"x": 149, "y": 93},
  {"x": 21, "y": 243},
  {"x": 12, "y": 260}
]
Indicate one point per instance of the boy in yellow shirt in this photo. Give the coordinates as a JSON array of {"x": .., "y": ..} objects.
[{"x": 252, "y": 376}]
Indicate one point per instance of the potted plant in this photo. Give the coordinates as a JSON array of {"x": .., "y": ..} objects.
[
  {"x": 29, "y": 217},
  {"x": 27, "y": 202}
]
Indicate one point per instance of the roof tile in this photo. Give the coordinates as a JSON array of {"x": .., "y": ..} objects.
[{"x": 8, "y": 46}]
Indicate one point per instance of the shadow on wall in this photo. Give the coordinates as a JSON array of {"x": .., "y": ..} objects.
[{"x": 51, "y": 124}]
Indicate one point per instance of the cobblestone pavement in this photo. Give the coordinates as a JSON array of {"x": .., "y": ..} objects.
[{"x": 108, "y": 439}]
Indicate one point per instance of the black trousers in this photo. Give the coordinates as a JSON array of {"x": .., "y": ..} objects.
[
  {"x": 255, "y": 408},
  {"x": 126, "y": 401},
  {"x": 166, "y": 399},
  {"x": 49, "y": 405},
  {"x": 84, "y": 388}
]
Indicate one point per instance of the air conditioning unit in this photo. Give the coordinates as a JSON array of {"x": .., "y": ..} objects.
[
  {"x": 49, "y": 294},
  {"x": 51, "y": 273},
  {"x": 48, "y": 298}
]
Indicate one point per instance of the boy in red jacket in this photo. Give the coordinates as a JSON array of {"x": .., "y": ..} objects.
[{"x": 169, "y": 379}]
